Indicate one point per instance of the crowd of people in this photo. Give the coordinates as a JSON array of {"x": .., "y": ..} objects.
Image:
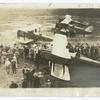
[
  {"x": 9, "y": 57},
  {"x": 32, "y": 78},
  {"x": 12, "y": 56},
  {"x": 91, "y": 51}
]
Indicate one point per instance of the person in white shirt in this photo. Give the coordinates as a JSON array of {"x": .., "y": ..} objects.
[{"x": 8, "y": 66}]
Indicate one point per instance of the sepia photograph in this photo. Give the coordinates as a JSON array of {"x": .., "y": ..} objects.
[{"x": 49, "y": 46}]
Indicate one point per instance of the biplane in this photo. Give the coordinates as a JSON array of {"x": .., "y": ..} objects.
[
  {"x": 60, "y": 56},
  {"x": 32, "y": 33}
]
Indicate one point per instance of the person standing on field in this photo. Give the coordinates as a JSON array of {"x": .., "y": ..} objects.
[{"x": 8, "y": 66}]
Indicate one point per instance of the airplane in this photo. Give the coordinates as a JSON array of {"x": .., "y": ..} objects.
[
  {"x": 32, "y": 33},
  {"x": 60, "y": 57}
]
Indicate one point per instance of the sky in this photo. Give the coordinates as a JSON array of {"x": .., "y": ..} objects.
[{"x": 47, "y": 5}]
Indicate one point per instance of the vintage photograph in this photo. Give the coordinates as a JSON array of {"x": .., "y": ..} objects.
[{"x": 48, "y": 47}]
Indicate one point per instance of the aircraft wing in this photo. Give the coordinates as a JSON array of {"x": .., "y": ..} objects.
[
  {"x": 81, "y": 60},
  {"x": 78, "y": 23}
]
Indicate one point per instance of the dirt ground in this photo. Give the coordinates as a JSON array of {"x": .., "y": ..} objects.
[{"x": 5, "y": 78}]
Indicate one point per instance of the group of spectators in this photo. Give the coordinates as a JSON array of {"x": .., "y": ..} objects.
[
  {"x": 91, "y": 51},
  {"x": 13, "y": 56},
  {"x": 32, "y": 78},
  {"x": 9, "y": 57},
  {"x": 10, "y": 54}
]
